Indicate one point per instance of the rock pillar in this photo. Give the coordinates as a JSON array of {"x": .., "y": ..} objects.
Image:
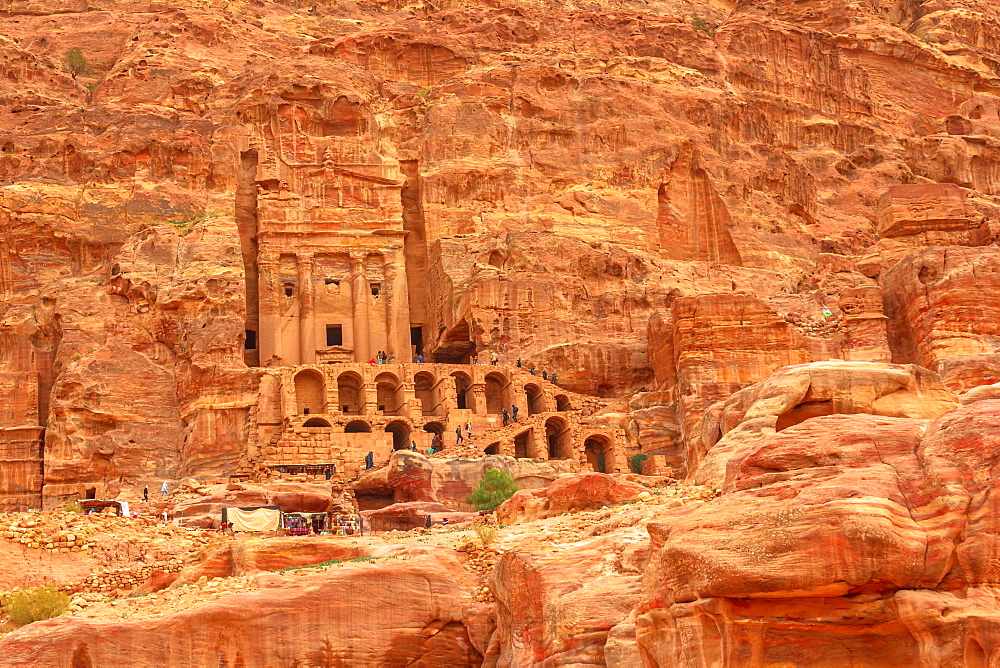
[
  {"x": 359, "y": 287},
  {"x": 479, "y": 403}
]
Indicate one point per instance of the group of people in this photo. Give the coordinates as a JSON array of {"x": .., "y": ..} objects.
[
  {"x": 163, "y": 491},
  {"x": 436, "y": 445},
  {"x": 512, "y": 415},
  {"x": 382, "y": 358},
  {"x": 545, "y": 374},
  {"x": 458, "y": 432},
  {"x": 494, "y": 361}
]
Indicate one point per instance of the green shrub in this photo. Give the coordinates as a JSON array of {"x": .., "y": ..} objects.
[
  {"x": 635, "y": 465},
  {"x": 73, "y": 507},
  {"x": 703, "y": 25},
  {"x": 75, "y": 62},
  {"x": 34, "y": 605},
  {"x": 495, "y": 488}
]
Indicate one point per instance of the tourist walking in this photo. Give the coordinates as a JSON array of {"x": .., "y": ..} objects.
[
  {"x": 506, "y": 417},
  {"x": 468, "y": 429},
  {"x": 494, "y": 358},
  {"x": 458, "y": 435},
  {"x": 163, "y": 489},
  {"x": 513, "y": 412},
  {"x": 370, "y": 460},
  {"x": 145, "y": 493}
]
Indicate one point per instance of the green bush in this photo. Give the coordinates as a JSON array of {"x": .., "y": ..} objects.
[
  {"x": 495, "y": 488},
  {"x": 703, "y": 25},
  {"x": 75, "y": 62},
  {"x": 635, "y": 465},
  {"x": 34, "y": 605},
  {"x": 73, "y": 507}
]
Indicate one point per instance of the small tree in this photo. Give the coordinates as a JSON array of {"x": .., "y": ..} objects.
[
  {"x": 495, "y": 488},
  {"x": 75, "y": 62},
  {"x": 34, "y": 605},
  {"x": 636, "y": 463}
]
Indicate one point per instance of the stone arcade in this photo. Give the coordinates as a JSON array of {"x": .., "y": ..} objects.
[{"x": 315, "y": 415}]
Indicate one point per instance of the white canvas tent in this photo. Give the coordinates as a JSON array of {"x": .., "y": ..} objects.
[{"x": 259, "y": 518}]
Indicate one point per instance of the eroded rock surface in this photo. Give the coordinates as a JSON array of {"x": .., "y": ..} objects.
[{"x": 764, "y": 233}]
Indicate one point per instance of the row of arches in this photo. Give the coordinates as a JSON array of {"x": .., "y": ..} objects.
[
  {"x": 399, "y": 429},
  {"x": 558, "y": 440},
  {"x": 310, "y": 394}
]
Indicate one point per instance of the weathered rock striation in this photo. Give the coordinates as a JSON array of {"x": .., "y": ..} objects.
[{"x": 756, "y": 241}]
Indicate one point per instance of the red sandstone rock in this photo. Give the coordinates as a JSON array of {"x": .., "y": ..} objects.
[
  {"x": 797, "y": 393},
  {"x": 340, "y": 613},
  {"x": 572, "y": 493},
  {"x": 873, "y": 524},
  {"x": 944, "y": 306},
  {"x": 559, "y": 170},
  {"x": 204, "y": 511},
  {"x": 413, "y": 515},
  {"x": 248, "y": 557},
  {"x": 411, "y": 477},
  {"x": 557, "y": 604}
]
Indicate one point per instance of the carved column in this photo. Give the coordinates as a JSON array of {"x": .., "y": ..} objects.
[
  {"x": 307, "y": 320},
  {"x": 390, "y": 325},
  {"x": 359, "y": 287},
  {"x": 397, "y": 312},
  {"x": 270, "y": 312}
]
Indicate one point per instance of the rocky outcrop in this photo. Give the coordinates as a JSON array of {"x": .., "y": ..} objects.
[
  {"x": 854, "y": 514},
  {"x": 410, "y": 477},
  {"x": 339, "y": 615},
  {"x": 798, "y": 393},
  {"x": 944, "y": 305},
  {"x": 201, "y": 506},
  {"x": 557, "y": 604},
  {"x": 413, "y": 515},
  {"x": 709, "y": 346},
  {"x": 583, "y": 491}
]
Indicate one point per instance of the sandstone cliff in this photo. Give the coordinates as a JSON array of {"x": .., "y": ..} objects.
[{"x": 765, "y": 231}]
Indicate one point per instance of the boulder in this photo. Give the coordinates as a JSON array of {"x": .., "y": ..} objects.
[
  {"x": 410, "y": 476},
  {"x": 204, "y": 511},
  {"x": 557, "y": 603},
  {"x": 797, "y": 393},
  {"x": 582, "y": 491},
  {"x": 412, "y": 515}
]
